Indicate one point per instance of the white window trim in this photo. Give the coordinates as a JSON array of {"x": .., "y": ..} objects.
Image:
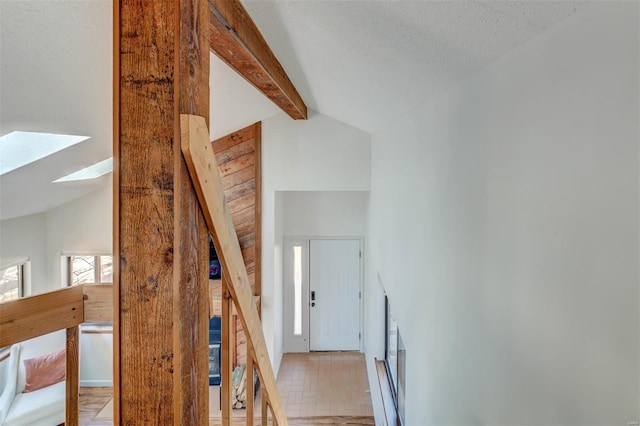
[
  {"x": 65, "y": 266},
  {"x": 24, "y": 286}
]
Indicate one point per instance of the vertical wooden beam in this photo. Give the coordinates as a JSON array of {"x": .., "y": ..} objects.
[
  {"x": 250, "y": 385},
  {"x": 234, "y": 333},
  {"x": 72, "y": 377},
  {"x": 273, "y": 416},
  {"x": 116, "y": 214},
  {"x": 226, "y": 360},
  {"x": 265, "y": 403},
  {"x": 161, "y": 69}
]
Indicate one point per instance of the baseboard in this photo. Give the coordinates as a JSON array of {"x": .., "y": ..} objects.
[{"x": 96, "y": 383}]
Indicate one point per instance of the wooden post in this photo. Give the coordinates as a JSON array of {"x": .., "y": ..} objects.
[
  {"x": 72, "y": 380},
  {"x": 264, "y": 415},
  {"x": 250, "y": 385},
  {"x": 226, "y": 360},
  {"x": 161, "y": 69},
  {"x": 273, "y": 416}
]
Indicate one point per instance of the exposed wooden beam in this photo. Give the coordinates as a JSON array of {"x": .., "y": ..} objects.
[
  {"x": 238, "y": 42},
  {"x": 161, "y": 69},
  {"x": 203, "y": 168},
  {"x": 34, "y": 316}
]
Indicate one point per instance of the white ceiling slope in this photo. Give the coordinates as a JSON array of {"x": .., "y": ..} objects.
[
  {"x": 368, "y": 62},
  {"x": 362, "y": 62},
  {"x": 55, "y": 77}
]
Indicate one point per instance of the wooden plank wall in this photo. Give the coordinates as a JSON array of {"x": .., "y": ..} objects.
[
  {"x": 203, "y": 168},
  {"x": 238, "y": 157}
]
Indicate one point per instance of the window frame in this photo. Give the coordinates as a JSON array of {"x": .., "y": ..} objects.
[
  {"x": 97, "y": 266},
  {"x": 21, "y": 265}
]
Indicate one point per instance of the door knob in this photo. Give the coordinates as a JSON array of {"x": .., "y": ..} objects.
[
  {"x": 313, "y": 295},
  {"x": 313, "y": 304}
]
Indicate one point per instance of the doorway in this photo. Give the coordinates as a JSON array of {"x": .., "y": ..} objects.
[{"x": 322, "y": 292}]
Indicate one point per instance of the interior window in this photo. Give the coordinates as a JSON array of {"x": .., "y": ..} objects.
[
  {"x": 12, "y": 282},
  {"x": 89, "y": 269}
]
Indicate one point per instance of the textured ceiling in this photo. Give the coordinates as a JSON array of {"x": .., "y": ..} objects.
[
  {"x": 55, "y": 77},
  {"x": 361, "y": 62},
  {"x": 368, "y": 62}
]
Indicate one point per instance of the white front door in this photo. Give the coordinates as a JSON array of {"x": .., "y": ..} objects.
[{"x": 334, "y": 295}]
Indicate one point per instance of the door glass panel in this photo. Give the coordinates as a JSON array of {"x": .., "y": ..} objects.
[{"x": 297, "y": 290}]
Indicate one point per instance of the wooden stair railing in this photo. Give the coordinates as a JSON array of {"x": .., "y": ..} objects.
[
  {"x": 38, "y": 315},
  {"x": 67, "y": 308},
  {"x": 203, "y": 169}
]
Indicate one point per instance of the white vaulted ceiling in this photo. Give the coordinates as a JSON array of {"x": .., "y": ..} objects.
[
  {"x": 363, "y": 62},
  {"x": 55, "y": 77},
  {"x": 368, "y": 62}
]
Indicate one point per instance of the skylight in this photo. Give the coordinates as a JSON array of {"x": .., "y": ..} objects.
[
  {"x": 17, "y": 149},
  {"x": 91, "y": 172}
]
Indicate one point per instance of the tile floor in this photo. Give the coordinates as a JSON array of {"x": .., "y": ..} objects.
[
  {"x": 324, "y": 384},
  {"x": 332, "y": 385}
]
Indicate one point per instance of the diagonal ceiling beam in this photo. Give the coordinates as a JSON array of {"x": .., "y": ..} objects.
[{"x": 238, "y": 42}]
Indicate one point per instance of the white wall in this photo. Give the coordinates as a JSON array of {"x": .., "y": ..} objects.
[
  {"x": 325, "y": 213},
  {"x": 85, "y": 226},
  {"x": 24, "y": 238},
  {"x": 96, "y": 359},
  {"x": 82, "y": 226},
  {"x": 320, "y": 154},
  {"x": 508, "y": 240},
  {"x": 278, "y": 277}
]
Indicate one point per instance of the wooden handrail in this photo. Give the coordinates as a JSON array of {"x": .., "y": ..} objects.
[
  {"x": 203, "y": 169},
  {"x": 35, "y": 316}
]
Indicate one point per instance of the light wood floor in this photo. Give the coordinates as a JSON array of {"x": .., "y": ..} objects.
[
  {"x": 328, "y": 388},
  {"x": 92, "y": 401}
]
